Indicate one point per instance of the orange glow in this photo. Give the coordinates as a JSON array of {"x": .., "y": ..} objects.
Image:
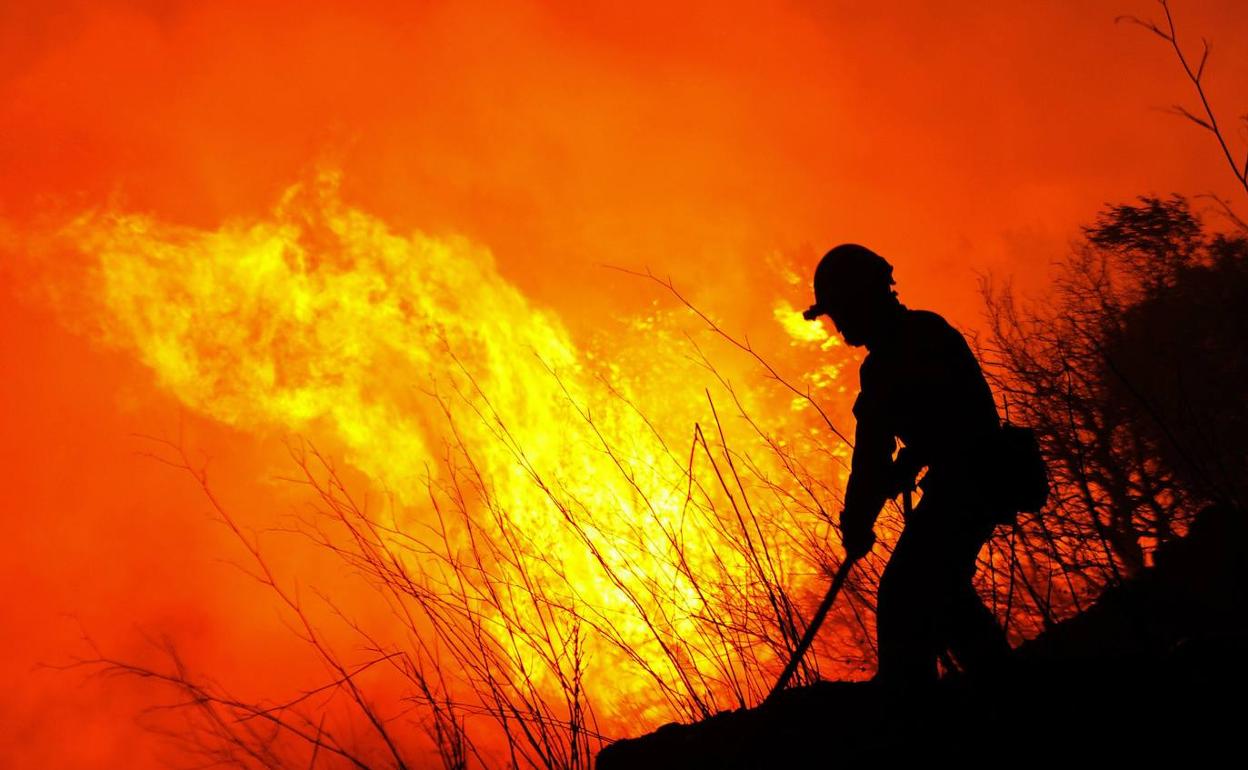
[
  {"x": 388, "y": 228},
  {"x": 321, "y": 321}
]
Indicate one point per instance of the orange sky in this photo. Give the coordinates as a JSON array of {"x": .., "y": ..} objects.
[{"x": 699, "y": 141}]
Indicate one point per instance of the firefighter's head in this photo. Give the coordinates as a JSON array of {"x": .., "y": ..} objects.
[{"x": 853, "y": 286}]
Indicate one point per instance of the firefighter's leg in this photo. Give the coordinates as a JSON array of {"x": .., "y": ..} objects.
[
  {"x": 975, "y": 637},
  {"x": 906, "y": 627}
]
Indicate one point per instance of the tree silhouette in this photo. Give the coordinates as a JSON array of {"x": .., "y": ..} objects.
[
  {"x": 1176, "y": 366},
  {"x": 1133, "y": 371},
  {"x": 1133, "y": 367}
]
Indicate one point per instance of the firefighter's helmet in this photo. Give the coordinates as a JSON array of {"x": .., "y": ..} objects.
[{"x": 849, "y": 273}]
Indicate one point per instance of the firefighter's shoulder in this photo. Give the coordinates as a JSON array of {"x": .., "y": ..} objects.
[
  {"x": 927, "y": 322},
  {"x": 928, "y": 329}
]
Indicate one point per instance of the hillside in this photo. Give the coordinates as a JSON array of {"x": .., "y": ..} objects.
[{"x": 1156, "y": 665}]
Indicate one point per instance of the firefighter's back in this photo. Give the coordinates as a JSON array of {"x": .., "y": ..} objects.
[{"x": 925, "y": 378}]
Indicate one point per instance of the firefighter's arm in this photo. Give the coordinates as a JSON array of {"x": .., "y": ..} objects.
[{"x": 871, "y": 476}]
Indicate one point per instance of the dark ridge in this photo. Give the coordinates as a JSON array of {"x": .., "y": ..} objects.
[{"x": 1157, "y": 666}]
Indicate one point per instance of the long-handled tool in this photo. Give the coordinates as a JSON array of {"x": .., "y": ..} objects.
[
  {"x": 839, "y": 580},
  {"x": 812, "y": 629}
]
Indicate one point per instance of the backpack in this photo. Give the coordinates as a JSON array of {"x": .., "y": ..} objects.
[{"x": 1021, "y": 478}]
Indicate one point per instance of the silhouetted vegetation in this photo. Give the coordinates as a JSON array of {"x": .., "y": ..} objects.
[{"x": 1133, "y": 370}]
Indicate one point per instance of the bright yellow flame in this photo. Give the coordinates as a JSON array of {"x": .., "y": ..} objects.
[
  {"x": 322, "y": 319},
  {"x": 798, "y": 327}
]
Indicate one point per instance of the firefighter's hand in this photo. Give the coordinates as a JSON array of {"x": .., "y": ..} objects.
[{"x": 858, "y": 540}]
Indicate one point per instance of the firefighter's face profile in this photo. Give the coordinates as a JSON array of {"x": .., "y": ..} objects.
[
  {"x": 850, "y": 327},
  {"x": 852, "y": 320}
]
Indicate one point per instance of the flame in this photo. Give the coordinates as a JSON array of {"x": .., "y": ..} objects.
[
  {"x": 324, "y": 316},
  {"x": 413, "y": 355}
]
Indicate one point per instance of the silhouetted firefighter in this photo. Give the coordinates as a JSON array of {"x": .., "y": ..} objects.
[{"x": 920, "y": 384}]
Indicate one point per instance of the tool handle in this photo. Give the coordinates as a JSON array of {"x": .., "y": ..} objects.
[{"x": 812, "y": 629}]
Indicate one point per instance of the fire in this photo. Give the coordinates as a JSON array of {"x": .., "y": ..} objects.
[
  {"x": 698, "y": 141},
  {"x": 323, "y": 316},
  {"x": 413, "y": 357}
]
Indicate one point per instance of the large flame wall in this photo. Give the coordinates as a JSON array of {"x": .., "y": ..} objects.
[{"x": 231, "y": 222}]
